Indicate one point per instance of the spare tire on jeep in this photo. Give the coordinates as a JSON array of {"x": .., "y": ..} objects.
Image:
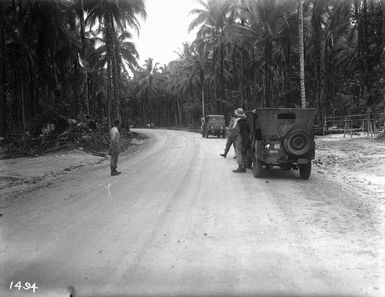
[{"x": 298, "y": 143}]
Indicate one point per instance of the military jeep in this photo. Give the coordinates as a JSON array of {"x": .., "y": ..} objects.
[
  {"x": 214, "y": 125},
  {"x": 282, "y": 137}
]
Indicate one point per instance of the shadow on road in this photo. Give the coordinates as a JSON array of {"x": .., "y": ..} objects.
[{"x": 279, "y": 174}]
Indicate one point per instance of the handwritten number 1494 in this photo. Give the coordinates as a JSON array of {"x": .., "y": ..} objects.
[{"x": 25, "y": 286}]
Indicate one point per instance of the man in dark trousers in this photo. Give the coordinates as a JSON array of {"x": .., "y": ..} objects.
[
  {"x": 114, "y": 147},
  {"x": 242, "y": 141},
  {"x": 230, "y": 137}
]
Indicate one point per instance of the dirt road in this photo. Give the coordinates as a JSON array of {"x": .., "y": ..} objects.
[{"x": 179, "y": 222}]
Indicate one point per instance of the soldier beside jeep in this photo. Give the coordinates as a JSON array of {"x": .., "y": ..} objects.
[{"x": 282, "y": 137}]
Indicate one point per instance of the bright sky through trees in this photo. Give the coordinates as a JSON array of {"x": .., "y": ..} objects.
[{"x": 165, "y": 29}]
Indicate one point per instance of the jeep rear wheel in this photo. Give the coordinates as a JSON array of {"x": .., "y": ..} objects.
[
  {"x": 305, "y": 170},
  {"x": 257, "y": 167}
]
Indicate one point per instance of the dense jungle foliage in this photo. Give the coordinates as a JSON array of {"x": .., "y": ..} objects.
[{"x": 75, "y": 59}]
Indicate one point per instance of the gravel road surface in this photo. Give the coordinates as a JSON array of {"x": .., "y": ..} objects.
[{"x": 179, "y": 222}]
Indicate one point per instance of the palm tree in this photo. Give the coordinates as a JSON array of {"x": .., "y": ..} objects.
[
  {"x": 125, "y": 55},
  {"x": 212, "y": 19},
  {"x": 196, "y": 66},
  {"x": 261, "y": 28},
  {"x": 148, "y": 82},
  {"x": 178, "y": 81},
  {"x": 115, "y": 15}
]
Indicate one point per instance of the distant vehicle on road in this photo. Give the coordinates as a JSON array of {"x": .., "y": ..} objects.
[
  {"x": 282, "y": 137},
  {"x": 214, "y": 125}
]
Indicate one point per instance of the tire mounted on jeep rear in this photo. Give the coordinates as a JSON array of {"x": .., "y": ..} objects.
[{"x": 298, "y": 143}]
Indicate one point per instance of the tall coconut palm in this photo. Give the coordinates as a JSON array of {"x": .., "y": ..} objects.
[
  {"x": 264, "y": 22},
  {"x": 115, "y": 15},
  {"x": 196, "y": 65},
  {"x": 148, "y": 82},
  {"x": 212, "y": 19},
  {"x": 126, "y": 55}
]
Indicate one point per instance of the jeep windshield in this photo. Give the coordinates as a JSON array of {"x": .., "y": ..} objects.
[{"x": 216, "y": 119}]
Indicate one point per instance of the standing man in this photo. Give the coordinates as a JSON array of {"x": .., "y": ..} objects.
[
  {"x": 230, "y": 137},
  {"x": 242, "y": 141},
  {"x": 114, "y": 147}
]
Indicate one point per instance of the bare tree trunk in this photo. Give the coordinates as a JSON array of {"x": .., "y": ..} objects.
[
  {"x": 84, "y": 55},
  {"x": 76, "y": 87},
  {"x": 268, "y": 74},
  {"x": 109, "y": 46},
  {"x": 23, "y": 117},
  {"x": 203, "y": 101},
  {"x": 109, "y": 93},
  {"x": 22, "y": 85},
  {"x": 115, "y": 82},
  {"x": 3, "y": 79},
  {"x": 242, "y": 79},
  {"x": 316, "y": 23},
  {"x": 179, "y": 111},
  {"x": 150, "y": 117},
  {"x": 222, "y": 78},
  {"x": 301, "y": 55}
]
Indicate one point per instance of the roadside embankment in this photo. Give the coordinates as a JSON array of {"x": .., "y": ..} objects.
[
  {"x": 20, "y": 174},
  {"x": 359, "y": 161}
]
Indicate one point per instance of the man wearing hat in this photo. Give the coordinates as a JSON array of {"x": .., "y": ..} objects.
[
  {"x": 230, "y": 137},
  {"x": 242, "y": 141}
]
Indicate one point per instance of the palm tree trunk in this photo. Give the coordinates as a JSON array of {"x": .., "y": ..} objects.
[
  {"x": 316, "y": 23},
  {"x": 115, "y": 53},
  {"x": 109, "y": 47},
  {"x": 203, "y": 100},
  {"x": 268, "y": 74},
  {"x": 179, "y": 111},
  {"x": 22, "y": 85},
  {"x": 84, "y": 56},
  {"x": 109, "y": 93},
  {"x": 150, "y": 113},
  {"x": 3, "y": 79},
  {"x": 19, "y": 83},
  {"x": 77, "y": 98},
  {"x": 222, "y": 78},
  {"x": 301, "y": 55},
  {"x": 75, "y": 85}
]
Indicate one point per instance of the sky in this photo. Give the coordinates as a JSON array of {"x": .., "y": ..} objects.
[{"x": 164, "y": 30}]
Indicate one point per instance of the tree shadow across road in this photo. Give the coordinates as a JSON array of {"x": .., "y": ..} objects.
[{"x": 276, "y": 173}]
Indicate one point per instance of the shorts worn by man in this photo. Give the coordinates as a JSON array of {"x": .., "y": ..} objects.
[
  {"x": 114, "y": 147},
  {"x": 242, "y": 141}
]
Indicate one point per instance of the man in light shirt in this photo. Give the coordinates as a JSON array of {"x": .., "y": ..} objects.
[{"x": 114, "y": 147}]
